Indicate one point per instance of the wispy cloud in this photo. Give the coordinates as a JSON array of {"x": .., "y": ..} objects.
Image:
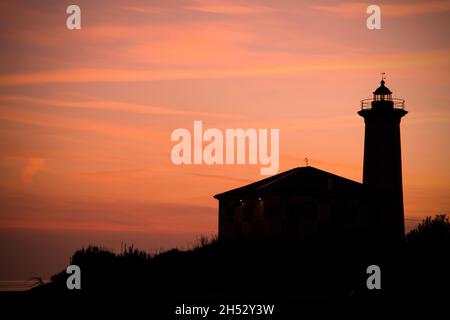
[
  {"x": 430, "y": 118},
  {"x": 105, "y": 176},
  {"x": 403, "y": 9},
  {"x": 227, "y": 7},
  {"x": 115, "y": 175},
  {"x": 144, "y": 9},
  {"x": 112, "y": 105},
  {"x": 221, "y": 177},
  {"x": 30, "y": 170},
  {"x": 86, "y": 125},
  {"x": 83, "y": 75},
  {"x": 71, "y": 213}
]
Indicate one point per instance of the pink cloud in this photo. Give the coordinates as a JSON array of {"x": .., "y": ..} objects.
[
  {"x": 86, "y": 75},
  {"x": 30, "y": 170},
  {"x": 388, "y": 9},
  {"x": 144, "y": 9},
  {"x": 227, "y": 7},
  {"x": 88, "y": 125},
  {"x": 112, "y": 105}
]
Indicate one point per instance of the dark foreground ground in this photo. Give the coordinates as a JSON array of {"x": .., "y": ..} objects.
[{"x": 297, "y": 278}]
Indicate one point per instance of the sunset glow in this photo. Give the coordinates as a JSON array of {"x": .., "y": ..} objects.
[{"x": 86, "y": 115}]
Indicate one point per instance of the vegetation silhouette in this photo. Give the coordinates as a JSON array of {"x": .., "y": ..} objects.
[
  {"x": 276, "y": 269},
  {"x": 431, "y": 232}
]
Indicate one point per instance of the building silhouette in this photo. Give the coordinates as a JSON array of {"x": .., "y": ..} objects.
[{"x": 306, "y": 202}]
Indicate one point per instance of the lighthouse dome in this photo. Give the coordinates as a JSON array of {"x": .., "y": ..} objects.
[{"x": 382, "y": 90}]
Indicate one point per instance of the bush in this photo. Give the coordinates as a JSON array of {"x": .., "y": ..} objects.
[{"x": 431, "y": 232}]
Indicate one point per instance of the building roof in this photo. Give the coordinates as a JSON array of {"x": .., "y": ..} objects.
[{"x": 308, "y": 179}]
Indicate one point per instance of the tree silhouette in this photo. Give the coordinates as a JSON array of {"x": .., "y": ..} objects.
[
  {"x": 301, "y": 269},
  {"x": 431, "y": 232}
]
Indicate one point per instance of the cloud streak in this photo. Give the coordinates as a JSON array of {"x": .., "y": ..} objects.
[
  {"x": 71, "y": 213},
  {"x": 387, "y": 9},
  {"x": 112, "y": 105},
  {"x": 30, "y": 170},
  {"x": 228, "y": 8},
  {"x": 87, "y": 125},
  {"x": 83, "y": 75}
]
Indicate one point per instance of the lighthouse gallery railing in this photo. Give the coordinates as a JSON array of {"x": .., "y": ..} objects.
[{"x": 366, "y": 104}]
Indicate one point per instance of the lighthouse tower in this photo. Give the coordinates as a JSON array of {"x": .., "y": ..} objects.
[{"x": 383, "y": 157}]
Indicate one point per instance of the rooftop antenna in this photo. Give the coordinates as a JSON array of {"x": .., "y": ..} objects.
[{"x": 307, "y": 162}]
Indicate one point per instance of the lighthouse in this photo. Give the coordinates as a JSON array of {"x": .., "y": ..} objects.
[
  {"x": 382, "y": 155},
  {"x": 309, "y": 203}
]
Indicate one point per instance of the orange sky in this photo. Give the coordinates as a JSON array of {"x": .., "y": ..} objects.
[{"x": 86, "y": 115}]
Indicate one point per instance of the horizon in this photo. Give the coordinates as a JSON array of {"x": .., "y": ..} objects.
[{"x": 87, "y": 115}]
